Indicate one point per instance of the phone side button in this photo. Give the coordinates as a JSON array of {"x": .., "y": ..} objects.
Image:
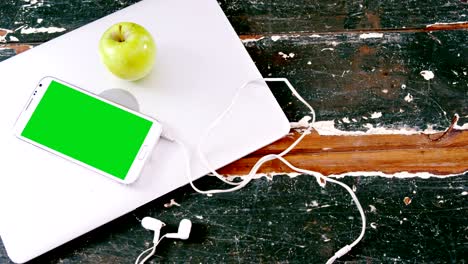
[{"x": 143, "y": 152}]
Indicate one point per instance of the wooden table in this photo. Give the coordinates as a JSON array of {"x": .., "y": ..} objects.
[{"x": 366, "y": 68}]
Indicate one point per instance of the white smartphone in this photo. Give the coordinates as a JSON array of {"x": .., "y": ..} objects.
[{"x": 91, "y": 131}]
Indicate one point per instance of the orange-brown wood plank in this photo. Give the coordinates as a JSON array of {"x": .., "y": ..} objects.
[{"x": 386, "y": 153}]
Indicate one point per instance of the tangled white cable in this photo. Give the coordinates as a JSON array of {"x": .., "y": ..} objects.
[
  {"x": 151, "y": 251},
  {"x": 246, "y": 179},
  {"x": 155, "y": 225}
]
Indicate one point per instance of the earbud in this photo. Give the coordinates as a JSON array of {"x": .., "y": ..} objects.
[
  {"x": 184, "y": 230},
  {"x": 153, "y": 224}
]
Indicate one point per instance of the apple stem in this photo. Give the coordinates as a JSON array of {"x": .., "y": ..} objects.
[{"x": 121, "y": 38}]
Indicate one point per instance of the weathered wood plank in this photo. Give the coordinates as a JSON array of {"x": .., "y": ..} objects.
[
  {"x": 291, "y": 220},
  {"x": 341, "y": 154},
  {"x": 350, "y": 78},
  {"x": 40, "y": 20},
  {"x": 366, "y": 80},
  {"x": 370, "y": 80},
  {"x": 277, "y": 16},
  {"x": 370, "y": 153}
]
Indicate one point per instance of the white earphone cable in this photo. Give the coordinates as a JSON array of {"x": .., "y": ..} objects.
[
  {"x": 152, "y": 249},
  {"x": 246, "y": 179}
]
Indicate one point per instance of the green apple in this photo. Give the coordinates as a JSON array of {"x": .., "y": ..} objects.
[{"x": 128, "y": 50}]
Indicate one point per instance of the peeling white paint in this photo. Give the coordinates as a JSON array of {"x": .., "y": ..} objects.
[
  {"x": 371, "y": 35},
  {"x": 373, "y": 225},
  {"x": 49, "y": 30},
  {"x": 443, "y": 24},
  {"x": 427, "y": 74},
  {"x": 275, "y": 38},
  {"x": 199, "y": 217},
  {"x": 309, "y": 63},
  {"x": 346, "y": 120},
  {"x": 408, "y": 98},
  {"x": 372, "y": 208},
  {"x": 327, "y": 128},
  {"x": 171, "y": 203},
  {"x": 376, "y": 115},
  {"x": 403, "y": 86},
  {"x": 315, "y": 36},
  {"x": 268, "y": 176},
  {"x": 385, "y": 91},
  {"x": 14, "y": 39},
  {"x": 303, "y": 123},
  {"x": 325, "y": 238},
  {"x": 464, "y": 193},
  {"x": 399, "y": 175},
  {"x": 286, "y": 56},
  {"x": 463, "y": 127},
  {"x": 33, "y": 3},
  {"x": 39, "y": 20},
  {"x": 332, "y": 49}
]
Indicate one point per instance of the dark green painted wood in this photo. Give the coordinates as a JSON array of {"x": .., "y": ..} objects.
[
  {"x": 345, "y": 76},
  {"x": 275, "y": 16},
  {"x": 247, "y": 17},
  {"x": 292, "y": 220},
  {"x": 343, "y": 81},
  {"x": 20, "y": 15}
]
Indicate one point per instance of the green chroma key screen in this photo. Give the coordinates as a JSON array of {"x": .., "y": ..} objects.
[{"x": 87, "y": 129}]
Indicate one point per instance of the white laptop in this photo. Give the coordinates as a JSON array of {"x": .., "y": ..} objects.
[{"x": 46, "y": 201}]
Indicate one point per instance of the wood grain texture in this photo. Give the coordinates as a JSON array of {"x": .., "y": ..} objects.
[
  {"x": 248, "y": 17},
  {"x": 277, "y": 16},
  {"x": 347, "y": 77},
  {"x": 350, "y": 76},
  {"x": 369, "y": 153},
  {"x": 37, "y": 21},
  {"x": 290, "y": 220}
]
